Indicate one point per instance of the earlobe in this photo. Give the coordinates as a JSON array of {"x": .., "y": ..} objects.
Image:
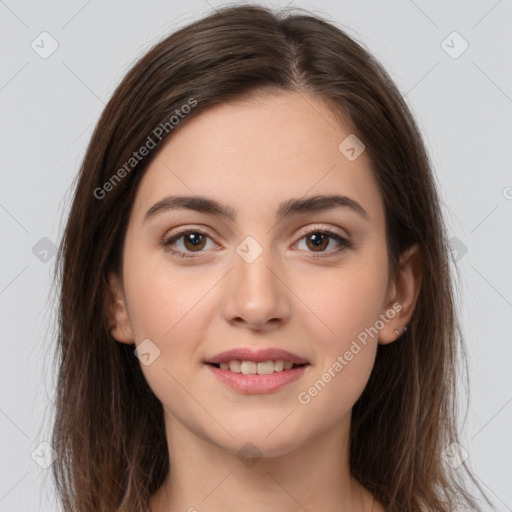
[
  {"x": 403, "y": 295},
  {"x": 118, "y": 318}
]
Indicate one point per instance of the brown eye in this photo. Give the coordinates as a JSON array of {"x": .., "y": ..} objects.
[
  {"x": 188, "y": 243},
  {"x": 317, "y": 241},
  {"x": 194, "y": 241}
]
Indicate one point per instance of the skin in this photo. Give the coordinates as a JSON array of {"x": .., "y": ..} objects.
[{"x": 252, "y": 156}]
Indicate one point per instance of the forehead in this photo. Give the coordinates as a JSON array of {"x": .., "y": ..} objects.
[{"x": 259, "y": 152}]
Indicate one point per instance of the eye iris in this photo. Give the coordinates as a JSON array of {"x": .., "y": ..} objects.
[
  {"x": 196, "y": 239},
  {"x": 319, "y": 241}
]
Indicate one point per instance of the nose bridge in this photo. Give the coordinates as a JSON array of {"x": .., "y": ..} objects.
[{"x": 254, "y": 294}]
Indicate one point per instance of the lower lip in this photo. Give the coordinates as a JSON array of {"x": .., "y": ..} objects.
[{"x": 257, "y": 384}]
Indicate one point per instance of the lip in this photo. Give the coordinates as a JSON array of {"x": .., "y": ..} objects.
[
  {"x": 257, "y": 384},
  {"x": 258, "y": 356}
]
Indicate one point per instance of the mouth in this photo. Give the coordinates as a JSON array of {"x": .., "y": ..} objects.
[{"x": 248, "y": 371}]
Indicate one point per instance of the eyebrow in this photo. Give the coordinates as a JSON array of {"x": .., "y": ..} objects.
[{"x": 286, "y": 209}]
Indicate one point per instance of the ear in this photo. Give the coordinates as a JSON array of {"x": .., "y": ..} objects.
[
  {"x": 118, "y": 319},
  {"x": 402, "y": 295}
]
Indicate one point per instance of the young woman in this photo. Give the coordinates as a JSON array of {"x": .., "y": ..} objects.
[{"x": 256, "y": 305}]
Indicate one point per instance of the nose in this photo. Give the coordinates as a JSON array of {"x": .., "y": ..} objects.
[{"x": 256, "y": 295}]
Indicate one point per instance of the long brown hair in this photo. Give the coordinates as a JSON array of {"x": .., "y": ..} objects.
[{"x": 109, "y": 428}]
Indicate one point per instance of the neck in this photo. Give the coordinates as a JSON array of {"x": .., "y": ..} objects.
[{"x": 205, "y": 476}]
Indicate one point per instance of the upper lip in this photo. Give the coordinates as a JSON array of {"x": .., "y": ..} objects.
[{"x": 248, "y": 354}]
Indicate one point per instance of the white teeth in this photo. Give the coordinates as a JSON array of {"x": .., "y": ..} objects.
[
  {"x": 265, "y": 368},
  {"x": 253, "y": 368},
  {"x": 249, "y": 367},
  {"x": 235, "y": 366}
]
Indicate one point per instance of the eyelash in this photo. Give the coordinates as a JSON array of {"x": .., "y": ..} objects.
[{"x": 180, "y": 254}]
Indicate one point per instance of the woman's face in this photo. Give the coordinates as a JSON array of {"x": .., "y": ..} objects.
[{"x": 266, "y": 276}]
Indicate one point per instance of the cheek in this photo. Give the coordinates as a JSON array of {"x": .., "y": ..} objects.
[
  {"x": 345, "y": 301},
  {"x": 348, "y": 302},
  {"x": 332, "y": 390},
  {"x": 346, "y": 351},
  {"x": 173, "y": 309},
  {"x": 165, "y": 303}
]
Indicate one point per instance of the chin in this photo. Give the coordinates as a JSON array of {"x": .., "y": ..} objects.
[{"x": 261, "y": 442}]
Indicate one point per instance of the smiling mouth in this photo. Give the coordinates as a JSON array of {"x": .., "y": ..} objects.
[{"x": 257, "y": 368}]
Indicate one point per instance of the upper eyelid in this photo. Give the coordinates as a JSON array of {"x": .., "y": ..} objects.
[{"x": 319, "y": 227}]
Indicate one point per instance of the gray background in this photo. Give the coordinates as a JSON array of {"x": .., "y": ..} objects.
[{"x": 49, "y": 106}]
